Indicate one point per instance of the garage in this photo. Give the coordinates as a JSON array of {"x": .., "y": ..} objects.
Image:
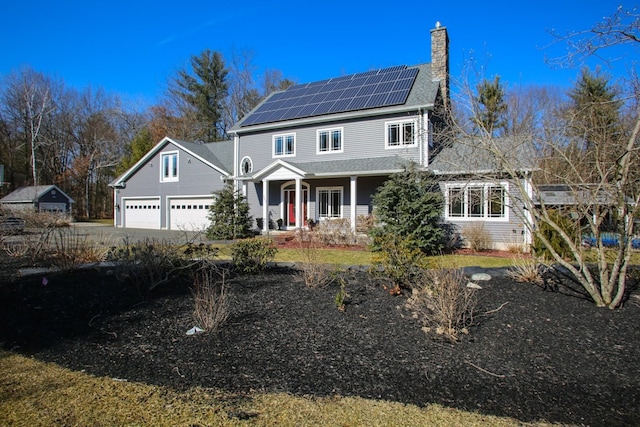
[
  {"x": 189, "y": 213},
  {"x": 142, "y": 213}
]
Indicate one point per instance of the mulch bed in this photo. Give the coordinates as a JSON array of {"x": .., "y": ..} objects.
[{"x": 543, "y": 356}]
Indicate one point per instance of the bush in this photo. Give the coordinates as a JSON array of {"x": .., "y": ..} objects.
[
  {"x": 211, "y": 307},
  {"x": 477, "y": 237},
  {"x": 252, "y": 255},
  {"x": 148, "y": 263},
  {"x": 314, "y": 273},
  {"x": 398, "y": 261},
  {"x": 409, "y": 206},
  {"x": 556, "y": 241},
  {"x": 336, "y": 232},
  {"x": 443, "y": 302}
]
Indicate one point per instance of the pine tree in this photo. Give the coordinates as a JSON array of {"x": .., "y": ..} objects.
[
  {"x": 491, "y": 107},
  {"x": 229, "y": 215},
  {"x": 202, "y": 93},
  {"x": 409, "y": 207},
  {"x": 594, "y": 113}
]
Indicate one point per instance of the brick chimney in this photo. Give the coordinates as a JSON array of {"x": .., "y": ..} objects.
[{"x": 440, "y": 60}]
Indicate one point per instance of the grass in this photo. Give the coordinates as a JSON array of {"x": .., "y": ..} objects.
[{"x": 34, "y": 393}]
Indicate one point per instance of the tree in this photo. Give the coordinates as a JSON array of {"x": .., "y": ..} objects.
[
  {"x": 409, "y": 206},
  {"x": 229, "y": 215},
  {"x": 200, "y": 93},
  {"x": 592, "y": 152},
  {"x": 139, "y": 146},
  {"x": 594, "y": 113},
  {"x": 27, "y": 102},
  {"x": 491, "y": 108}
]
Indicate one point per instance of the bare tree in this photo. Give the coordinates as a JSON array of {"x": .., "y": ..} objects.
[
  {"x": 589, "y": 150},
  {"x": 27, "y": 100}
]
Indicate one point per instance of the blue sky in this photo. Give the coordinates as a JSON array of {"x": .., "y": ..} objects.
[{"x": 131, "y": 47}]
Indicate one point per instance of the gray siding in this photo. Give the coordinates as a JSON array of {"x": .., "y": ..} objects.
[
  {"x": 361, "y": 139},
  {"x": 195, "y": 178},
  {"x": 503, "y": 233}
]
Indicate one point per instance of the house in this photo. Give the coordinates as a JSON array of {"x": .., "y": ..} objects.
[
  {"x": 171, "y": 187},
  {"x": 40, "y": 198},
  {"x": 317, "y": 151}
]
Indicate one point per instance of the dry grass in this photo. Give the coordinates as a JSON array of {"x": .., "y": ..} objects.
[
  {"x": 33, "y": 393},
  {"x": 527, "y": 270}
]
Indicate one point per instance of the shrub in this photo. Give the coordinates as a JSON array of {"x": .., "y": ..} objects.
[
  {"x": 409, "y": 207},
  {"x": 398, "y": 260},
  {"x": 314, "y": 273},
  {"x": 336, "y": 231},
  {"x": 71, "y": 249},
  {"x": 477, "y": 237},
  {"x": 557, "y": 243},
  {"x": 211, "y": 306},
  {"x": 443, "y": 303},
  {"x": 148, "y": 263},
  {"x": 252, "y": 255}
]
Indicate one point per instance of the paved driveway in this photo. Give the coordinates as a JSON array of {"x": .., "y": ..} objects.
[{"x": 112, "y": 235}]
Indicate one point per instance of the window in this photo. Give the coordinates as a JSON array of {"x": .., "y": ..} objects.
[
  {"x": 330, "y": 140},
  {"x": 246, "y": 166},
  {"x": 330, "y": 202},
  {"x": 284, "y": 145},
  {"x": 477, "y": 201},
  {"x": 401, "y": 134},
  {"x": 169, "y": 168}
]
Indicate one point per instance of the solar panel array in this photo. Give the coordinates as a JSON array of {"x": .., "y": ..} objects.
[{"x": 377, "y": 88}]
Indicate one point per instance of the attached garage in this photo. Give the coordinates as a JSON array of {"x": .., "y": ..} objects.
[
  {"x": 142, "y": 213},
  {"x": 189, "y": 213}
]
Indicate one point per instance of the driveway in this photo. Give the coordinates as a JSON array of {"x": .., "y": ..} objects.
[{"x": 112, "y": 235}]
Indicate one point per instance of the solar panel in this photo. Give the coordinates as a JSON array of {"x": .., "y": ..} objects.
[{"x": 376, "y": 88}]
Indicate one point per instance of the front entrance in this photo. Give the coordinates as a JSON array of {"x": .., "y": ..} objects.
[{"x": 289, "y": 214}]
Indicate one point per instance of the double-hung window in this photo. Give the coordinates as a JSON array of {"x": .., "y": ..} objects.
[
  {"x": 477, "y": 201},
  {"x": 330, "y": 202},
  {"x": 400, "y": 134},
  {"x": 169, "y": 166},
  {"x": 284, "y": 145},
  {"x": 330, "y": 140}
]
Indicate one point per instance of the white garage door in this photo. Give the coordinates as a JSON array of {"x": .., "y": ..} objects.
[
  {"x": 142, "y": 213},
  {"x": 189, "y": 213}
]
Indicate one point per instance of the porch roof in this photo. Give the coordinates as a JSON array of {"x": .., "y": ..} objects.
[{"x": 337, "y": 168}]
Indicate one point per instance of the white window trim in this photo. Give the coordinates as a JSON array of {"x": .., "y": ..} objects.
[
  {"x": 169, "y": 178},
  {"x": 283, "y": 135},
  {"x": 248, "y": 159},
  {"x": 486, "y": 186},
  {"x": 403, "y": 145},
  {"x": 330, "y": 150},
  {"x": 328, "y": 218}
]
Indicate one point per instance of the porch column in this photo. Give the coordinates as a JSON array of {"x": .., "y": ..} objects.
[
  {"x": 299, "y": 222},
  {"x": 265, "y": 206},
  {"x": 354, "y": 201}
]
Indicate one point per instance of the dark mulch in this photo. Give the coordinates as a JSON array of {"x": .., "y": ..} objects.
[{"x": 543, "y": 355}]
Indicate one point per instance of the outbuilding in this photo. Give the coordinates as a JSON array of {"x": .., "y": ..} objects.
[{"x": 39, "y": 198}]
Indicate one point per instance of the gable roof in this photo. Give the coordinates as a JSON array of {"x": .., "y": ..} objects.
[
  {"x": 218, "y": 155},
  {"x": 380, "y": 91},
  {"x": 31, "y": 194},
  {"x": 477, "y": 155}
]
